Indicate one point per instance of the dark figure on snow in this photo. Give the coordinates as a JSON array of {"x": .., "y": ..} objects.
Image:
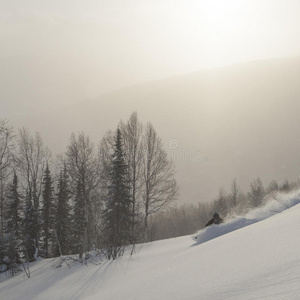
[{"x": 215, "y": 220}]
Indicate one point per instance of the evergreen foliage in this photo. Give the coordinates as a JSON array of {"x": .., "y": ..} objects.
[
  {"x": 79, "y": 221},
  {"x": 13, "y": 214},
  {"x": 63, "y": 226},
  {"x": 106, "y": 199},
  {"x": 30, "y": 227},
  {"x": 117, "y": 216},
  {"x": 47, "y": 212},
  {"x": 11, "y": 249}
]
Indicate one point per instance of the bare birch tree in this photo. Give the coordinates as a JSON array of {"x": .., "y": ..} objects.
[
  {"x": 32, "y": 158},
  {"x": 257, "y": 193},
  {"x": 83, "y": 168},
  {"x": 150, "y": 173},
  {"x": 132, "y": 133},
  {"x": 160, "y": 187}
]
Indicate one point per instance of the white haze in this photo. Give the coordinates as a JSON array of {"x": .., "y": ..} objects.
[
  {"x": 58, "y": 59},
  {"x": 63, "y": 51}
]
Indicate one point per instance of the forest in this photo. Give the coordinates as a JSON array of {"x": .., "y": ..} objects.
[{"x": 105, "y": 198}]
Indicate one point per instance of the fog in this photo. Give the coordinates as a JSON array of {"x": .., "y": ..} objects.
[
  {"x": 82, "y": 49},
  {"x": 65, "y": 64}
]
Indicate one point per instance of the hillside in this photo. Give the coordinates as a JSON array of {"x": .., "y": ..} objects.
[
  {"x": 224, "y": 121},
  {"x": 258, "y": 261}
]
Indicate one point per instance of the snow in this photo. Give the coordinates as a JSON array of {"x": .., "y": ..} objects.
[
  {"x": 251, "y": 257},
  {"x": 280, "y": 203}
]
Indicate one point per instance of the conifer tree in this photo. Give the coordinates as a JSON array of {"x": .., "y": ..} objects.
[
  {"x": 12, "y": 241},
  {"x": 13, "y": 214},
  {"x": 6, "y": 159},
  {"x": 47, "y": 211},
  {"x": 30, "y": 227},
  {"x": 79, "y": 221},
  {"x": 117, "y": 215},
  {"x": 63, "y": 218}
]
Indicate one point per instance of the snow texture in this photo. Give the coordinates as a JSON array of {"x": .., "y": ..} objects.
[
  {"x": 259, "y": 261},
  {"x": 280, "y": 203}
]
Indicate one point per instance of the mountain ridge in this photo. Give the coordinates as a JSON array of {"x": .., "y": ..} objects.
[{"x": 243, "y": 119}]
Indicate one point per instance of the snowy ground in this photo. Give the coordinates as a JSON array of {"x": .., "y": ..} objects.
[{"x": 259, "y": 261}]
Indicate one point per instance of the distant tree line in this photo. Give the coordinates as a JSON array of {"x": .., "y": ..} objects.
[
  {"x": 189, "y": 218},
  {"x": 86, "y": 198},
  {"x": 108, "y": 197}
]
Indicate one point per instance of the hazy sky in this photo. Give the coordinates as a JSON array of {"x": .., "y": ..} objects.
[
  {"x": 53, "y": 53},
  {"x": 85, "y": 48}
]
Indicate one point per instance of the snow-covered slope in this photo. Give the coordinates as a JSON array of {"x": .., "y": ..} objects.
[
  {"x": 281, "y": 202},
  {"x": 258, "y": 261}
]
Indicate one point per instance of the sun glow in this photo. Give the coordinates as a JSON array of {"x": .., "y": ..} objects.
[
  {"x": 229, "y": 31},
  {"x": 121, "y": 42}
]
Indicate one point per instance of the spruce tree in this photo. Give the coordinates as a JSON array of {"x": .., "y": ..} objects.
[
  {"x": 62, "y": 217},
  {"x": 47, "y": 212},
  {"x": 12, "y": 241},
  {"x": 13, "y": 214},
  {"x": 79, "y": 221},
  {"x": 117, "y": 216},
  {"x": 30, "y": 228}
]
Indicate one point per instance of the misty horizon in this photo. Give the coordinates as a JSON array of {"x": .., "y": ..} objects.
[
  {"x": 138, "y": 137},
  {"x": 218, "y": 78}
]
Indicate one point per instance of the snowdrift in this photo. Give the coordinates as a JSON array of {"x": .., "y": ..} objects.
[
  {"x": 259, "y": 261},
  {"x": 215, "y": 231},
  {"x": 279, "y": 203}
]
